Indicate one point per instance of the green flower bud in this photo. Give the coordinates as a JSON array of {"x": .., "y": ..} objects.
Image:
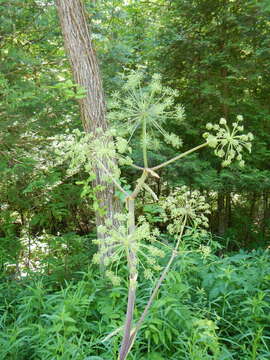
[
  {"x": 205, "y": 135},
  {"x": 239, "y": 157},
  {"x": 222, "y": 121},
  {"x": 212, "y": 141},
  {"x": 220, "y": 153},
  {"x": 239, "y": 118},
  {"x": 226, "y": 163}
]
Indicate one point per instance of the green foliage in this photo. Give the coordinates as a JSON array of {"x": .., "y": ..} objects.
[{"x": 209, "y": 308}]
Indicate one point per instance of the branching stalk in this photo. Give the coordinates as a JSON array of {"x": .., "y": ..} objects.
[
  {"x": 144, "y": 144},
  {"x": 180, "y": 156},
  {"x": 140, "y": 184},
  {"x": 132, "y": 265},
  {"x": 155, "y": 290},
  {"x": 119, "y": 187}
]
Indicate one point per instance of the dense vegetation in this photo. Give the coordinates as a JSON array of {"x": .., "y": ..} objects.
[
  {"x": 215, "y": 302},
  {"x": 209, "y": 308}
]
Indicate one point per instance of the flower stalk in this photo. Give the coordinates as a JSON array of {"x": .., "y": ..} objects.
[{"x": 133, "y": 274}]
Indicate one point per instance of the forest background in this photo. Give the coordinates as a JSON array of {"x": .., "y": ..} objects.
[{"x": 216, "y": 54}]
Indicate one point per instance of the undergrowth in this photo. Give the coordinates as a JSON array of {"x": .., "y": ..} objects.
[{"x": 209, "y": 307}]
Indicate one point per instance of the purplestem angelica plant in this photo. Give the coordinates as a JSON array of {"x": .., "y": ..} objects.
[{"x": 147, "y": 109}]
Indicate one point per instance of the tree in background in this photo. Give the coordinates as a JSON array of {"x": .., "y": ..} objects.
[
  {"x": 86, "y": 73},
  {"x": 216, "y": 54}
]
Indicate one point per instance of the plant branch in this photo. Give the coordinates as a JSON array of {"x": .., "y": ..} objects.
[
  {"x": 113, "y": 180},
  {"x": 158, "y": 284},
  {"x": 140, "y": 184},
  {"x": 113, "y": 333},
  {"x": 179, "y": 156},
  {"x": 137, "y": 167},
  {"x": 132, "y": 265},
  {"x": 144, "y": 144}
]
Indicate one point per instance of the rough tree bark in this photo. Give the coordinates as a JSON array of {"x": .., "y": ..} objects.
[{"x": 86, "y": 72}]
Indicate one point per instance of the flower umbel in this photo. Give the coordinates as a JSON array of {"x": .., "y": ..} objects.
[
  {"x": 122, "y": 242},
  {"x": 184, "y": 206},
  {"x": 228, "y": 144},
  {"x": 151, "y": 105}
]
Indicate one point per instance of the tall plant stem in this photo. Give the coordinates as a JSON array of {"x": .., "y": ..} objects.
[
  {"x": 144, "y": 144},
  {"x": 132, "y": 265},
  {"x": 156, "y": 288}
]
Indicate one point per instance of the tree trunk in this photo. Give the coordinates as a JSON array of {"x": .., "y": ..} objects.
[
  {"x": 266, "y": 214},
  {"x": 251, "y": 214},
  {"x": 228, "y": 210},
  {"x": 221, "y": 214},
  {"x": 86, "y": 73}
]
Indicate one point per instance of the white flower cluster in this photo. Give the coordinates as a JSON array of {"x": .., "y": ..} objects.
[
  {"x": 85, "y": 151},
  {"x": 228, "y": 143},
  {"x": 183, "y": 206},
  {"x": 123, "y": 243},
  {"x": 152, "y": 104}
]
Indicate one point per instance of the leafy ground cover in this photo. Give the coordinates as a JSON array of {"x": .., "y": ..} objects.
[{"x": 210, "y": 307}]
